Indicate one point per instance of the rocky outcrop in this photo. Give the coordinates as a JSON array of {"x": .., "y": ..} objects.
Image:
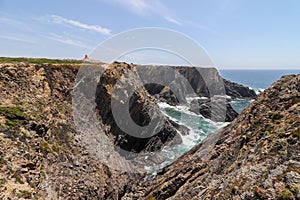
[
  {"x": 203, "y": 82},
  {"x": 173, "y": 84},
  {"x": 163, "y": 93},
  {"x": 236, "y": 90},
  {"x": 255, "y": 157},
  {"x": 124, "y": 80},
  {"x": 214, "y": 109},
  {"x": 41, "y": 155}
]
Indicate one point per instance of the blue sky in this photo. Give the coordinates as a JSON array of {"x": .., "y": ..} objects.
[{"x": 236, "y": 33}]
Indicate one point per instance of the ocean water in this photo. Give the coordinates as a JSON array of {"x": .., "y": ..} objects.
[
  {"x": 256, "y": 79},
  {"x": 200, "y": 127}
]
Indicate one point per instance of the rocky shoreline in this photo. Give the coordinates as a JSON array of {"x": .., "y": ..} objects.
[{"x": 43, "y": 157}]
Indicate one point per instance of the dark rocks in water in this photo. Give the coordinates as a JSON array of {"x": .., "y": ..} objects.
[
  {"x": 173, "y": 84},
  {"x": 216, "y": 109},
  {"x": 119, "y": 86},
  {"x": 236, "y": 90}
]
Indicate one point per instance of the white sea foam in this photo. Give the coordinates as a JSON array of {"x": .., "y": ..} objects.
[
  {"x": 179, "y": 108},
  {"x": 257, "y": 90},
  {"x": 190, "y": 99},
  {"x": 199, "y": 127}
]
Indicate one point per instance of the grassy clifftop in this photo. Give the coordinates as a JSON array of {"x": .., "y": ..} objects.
[{"x": 39, "y": 60}]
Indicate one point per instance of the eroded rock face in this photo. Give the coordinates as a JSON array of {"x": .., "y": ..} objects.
[
  {"x": 255, "y": 157},
  {"x": 121, "y": 85},
  {"x": 41, "y": 155},
  {"x": 204, "y": 82},
  {"x": 163, "y": 93}
]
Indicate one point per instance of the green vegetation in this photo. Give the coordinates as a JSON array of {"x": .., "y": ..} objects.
[
  {"x": 279, "y": 145},
  {"x": 2, "y": 181},
  {"x": 43, "y": 172},
  {"x": 263, "y": 134},
  {"x": 45, "y": 148},
  {"x": 296, "y": 133},
  {"x": 10, "y": 123},
  {"x": 24, "y": 194},
  {"x": 13, "y": 113},
  {"x": 39, "y": 60},
  {"x": 269, "y": 128},
  {"x": 286, "y": 195},
  {"x": 151, "y": 197},
  {"x": 50, "y": 147},
  {"x": 275, "y": 116}
]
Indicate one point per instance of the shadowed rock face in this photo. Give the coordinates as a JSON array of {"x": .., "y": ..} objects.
[
  {"x": 221, "y": 107},
  {"x": 116, "y": 85},
  {"x": 236, "y": 90},
  {"x": 204, "y": 82},
  {"x": 41, "y": 156},
  {"x": 255, "y": 157}
]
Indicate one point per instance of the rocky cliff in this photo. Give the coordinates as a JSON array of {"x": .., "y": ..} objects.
[
  {"x": 124, "y": 80},
  {"x": 203, "y": 82},
  {"x": 257, "y": 156},
  {"x": 42, "y": 155}
]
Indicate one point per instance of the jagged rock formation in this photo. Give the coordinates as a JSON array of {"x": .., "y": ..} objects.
[
  {"x": 198, "y": 78},
  {"x": 236, "y": 90},
  {"x": 255, "y": 157},
  {"x": 123, "y": 79},
  {"x": 168, "y": 84},
  {"x": 204, "y": 107},
  {"x": 41, "y": 156}
]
